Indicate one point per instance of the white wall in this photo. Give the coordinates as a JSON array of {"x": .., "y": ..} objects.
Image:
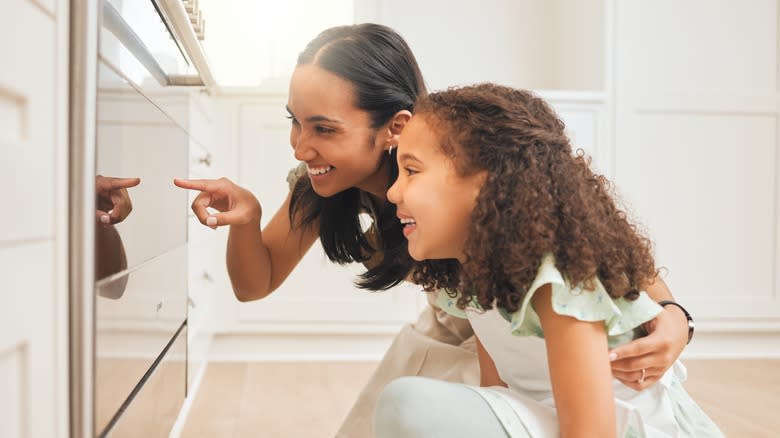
[
  {"x": 541, "y": 45},
  {"x": 697, "y": 157}
]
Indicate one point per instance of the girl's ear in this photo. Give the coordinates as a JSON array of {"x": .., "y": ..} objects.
[
  {"x": 479, "y": 180},
  {"x": 396, "y": 125}
]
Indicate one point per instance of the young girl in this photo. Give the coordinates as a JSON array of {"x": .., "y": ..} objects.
[
  {"x": 550, "y": 274},
  {"x": 351, "y": 94}
]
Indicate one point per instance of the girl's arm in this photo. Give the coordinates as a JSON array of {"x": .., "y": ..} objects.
[
  {"x": 488, "y": 374},
  {"x": 579, "y": 370},
  {"x": 657, "y": 351}
]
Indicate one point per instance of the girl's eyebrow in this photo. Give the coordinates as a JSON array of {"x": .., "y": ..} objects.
[
  {"x": 317, "y": 118},
  {"x": 408, "y": 156}
]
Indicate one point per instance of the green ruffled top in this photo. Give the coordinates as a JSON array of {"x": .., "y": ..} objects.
[{"x": 623, "y": 319}]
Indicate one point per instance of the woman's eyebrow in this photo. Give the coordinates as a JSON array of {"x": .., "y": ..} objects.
[{"x": 317, "y": 118}]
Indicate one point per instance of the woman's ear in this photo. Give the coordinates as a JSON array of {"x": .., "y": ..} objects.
[{"x": 396, "y": 125}]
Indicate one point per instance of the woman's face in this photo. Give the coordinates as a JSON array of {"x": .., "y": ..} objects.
[
  {"x": 333, "y": 136},
  {"x": 432, "y": 200}
]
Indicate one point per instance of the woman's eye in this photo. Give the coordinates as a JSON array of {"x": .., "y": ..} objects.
[
  {"x": 293, "y": 120},
  {"x": 409, "y": 171},
  {"x": 324, "y": 130}
]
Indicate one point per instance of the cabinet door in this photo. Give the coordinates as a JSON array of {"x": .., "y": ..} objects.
[
  {"x": 27, "y": 124},
  {"x": 27, "y": 342}
]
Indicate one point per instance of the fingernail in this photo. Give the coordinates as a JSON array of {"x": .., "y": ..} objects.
[
  {"x": 211, "y": 221},
  {"x": 612, "y": 356},
  {"x": 105, "y": 219}
]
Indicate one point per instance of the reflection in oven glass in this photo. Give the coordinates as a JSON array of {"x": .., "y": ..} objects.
[{"x": 140, "y": 246}]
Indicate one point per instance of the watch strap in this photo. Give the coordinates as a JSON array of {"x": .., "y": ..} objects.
[{"x": 688, "y": 316}]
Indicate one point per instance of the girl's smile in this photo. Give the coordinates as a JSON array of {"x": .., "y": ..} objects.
[{"x": 409, "y": 224}]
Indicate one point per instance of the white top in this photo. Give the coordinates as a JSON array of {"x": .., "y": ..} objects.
[{"x": 516, "y": 345}]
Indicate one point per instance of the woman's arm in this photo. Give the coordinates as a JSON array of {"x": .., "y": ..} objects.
[
  {"x": 257, "y": 261},
  {"x": 488, "y": 374},
  {"x": 579, "y": 370},
  {"x": 656, "y": 352}
]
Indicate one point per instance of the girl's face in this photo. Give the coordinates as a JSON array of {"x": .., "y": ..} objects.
[
  {"x": 433, "y": 201},
  {"x": 332, "y": 136}
]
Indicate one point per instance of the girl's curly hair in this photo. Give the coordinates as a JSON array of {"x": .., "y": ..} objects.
[{"x": 539, "y": 197}]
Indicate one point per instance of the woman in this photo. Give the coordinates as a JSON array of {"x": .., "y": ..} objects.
[{"x": 351, "y": 94}]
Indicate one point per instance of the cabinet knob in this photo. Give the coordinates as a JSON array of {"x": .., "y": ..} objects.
[
  {"x": 207, "y": 277},
  {"x": 205, "y": 160}
]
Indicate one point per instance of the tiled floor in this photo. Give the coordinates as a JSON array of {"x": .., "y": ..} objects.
[{"x": 239, "y": 399}]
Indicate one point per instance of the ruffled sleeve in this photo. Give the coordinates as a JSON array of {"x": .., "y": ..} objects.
[
  {"x": 449, "y": 304},
  {"x": 620, "y": 316}
]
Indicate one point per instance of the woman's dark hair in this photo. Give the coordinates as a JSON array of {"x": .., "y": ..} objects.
[
  {"x": 386, "y": 79},
  {"x": 539, "y": 197}
]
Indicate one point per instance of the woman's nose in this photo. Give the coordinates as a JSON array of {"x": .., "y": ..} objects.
[{"x": 303, "y": 151}]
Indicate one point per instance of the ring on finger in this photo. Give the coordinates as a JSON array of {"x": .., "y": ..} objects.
[{"x": 642, "y": 377}]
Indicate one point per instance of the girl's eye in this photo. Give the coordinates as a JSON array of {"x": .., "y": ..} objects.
[
  {"x": 293, "y": 120},
  {"x": 409, "y": 171}
]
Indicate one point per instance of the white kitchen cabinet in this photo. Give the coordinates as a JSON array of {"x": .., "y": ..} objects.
[
  {"x": 33, "y": 229},
  {"x": 28, "y": 105}
]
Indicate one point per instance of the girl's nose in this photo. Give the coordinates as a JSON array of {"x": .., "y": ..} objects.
[{"x": 394, "y": 193}]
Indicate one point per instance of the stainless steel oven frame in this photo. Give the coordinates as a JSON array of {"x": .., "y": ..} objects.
[
  {"x": 84, "y": 29},
  {"x": 85, "y": 24}
]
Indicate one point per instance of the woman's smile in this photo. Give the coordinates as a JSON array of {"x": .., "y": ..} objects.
[{"x": 318, "y": 175}]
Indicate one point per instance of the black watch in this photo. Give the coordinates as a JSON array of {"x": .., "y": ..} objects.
[{"x": 691, "y": 324}]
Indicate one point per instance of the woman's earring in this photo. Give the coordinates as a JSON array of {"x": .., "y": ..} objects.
[{"x": 390, "y": 150}]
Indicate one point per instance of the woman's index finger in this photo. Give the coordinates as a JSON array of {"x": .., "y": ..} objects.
[{"x": 193, "y": 184}]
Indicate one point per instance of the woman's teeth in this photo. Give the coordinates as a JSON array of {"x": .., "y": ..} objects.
[
  {"x": 408, "y": 221},
  {"x": 319, "y": 170}
]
